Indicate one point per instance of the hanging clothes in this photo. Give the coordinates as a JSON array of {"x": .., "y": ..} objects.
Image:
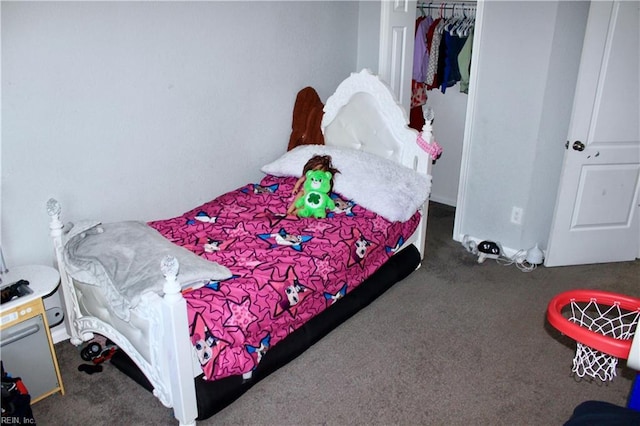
[
  {"x": 420, "y": 64},
  {"x": 418, "y": 99},
  {"x": 451, "y": 71},
  {"x": 435, "y": 32},
  {"x": 420, "y": 52},
  {"x": 464, "y": 63},
  {"x": 441, "y": 56},
  {"x": 449, "y": 42}
]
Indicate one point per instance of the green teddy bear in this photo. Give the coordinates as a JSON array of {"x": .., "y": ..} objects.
[{"x": 315, "y": 201}]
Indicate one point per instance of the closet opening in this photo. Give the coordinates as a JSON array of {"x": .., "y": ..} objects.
[{"x": 442, "y": 62}]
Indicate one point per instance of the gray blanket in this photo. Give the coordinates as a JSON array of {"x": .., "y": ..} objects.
[{"x": 123, "y": 259}]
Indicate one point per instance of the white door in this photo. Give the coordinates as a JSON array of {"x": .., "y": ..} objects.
[
  {"x": 596, "y": 214},
  {"x": 397, "y": 37}
]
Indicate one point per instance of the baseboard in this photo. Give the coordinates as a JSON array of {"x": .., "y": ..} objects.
[
  {"x": 442, "y": 200},
  {"x": 59, "y": 334}
]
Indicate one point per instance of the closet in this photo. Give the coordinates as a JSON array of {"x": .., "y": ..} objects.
[
  {"x": 504, "y": 142},
  {"x": 448, "y": 25},
  {"x": 386, "y": 38}
]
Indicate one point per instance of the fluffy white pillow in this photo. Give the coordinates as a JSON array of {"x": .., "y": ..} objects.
[{"x": 389, "y": 189}]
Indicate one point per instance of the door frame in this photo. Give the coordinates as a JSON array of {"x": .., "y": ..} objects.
[
  {"x": 471, "y": 108},
  {"x": 395, "y": 64}
]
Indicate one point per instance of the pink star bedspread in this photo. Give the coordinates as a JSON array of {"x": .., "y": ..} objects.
[{"x": 285, "y": 269}]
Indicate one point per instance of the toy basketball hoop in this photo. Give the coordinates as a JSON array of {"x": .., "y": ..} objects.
[{"x": 603, "y": 325}]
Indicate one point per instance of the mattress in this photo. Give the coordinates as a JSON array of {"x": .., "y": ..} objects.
[{"x": 285, "y": 269}]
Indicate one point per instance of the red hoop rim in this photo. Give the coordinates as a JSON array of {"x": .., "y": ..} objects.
[{"x": 618, "y": 348}]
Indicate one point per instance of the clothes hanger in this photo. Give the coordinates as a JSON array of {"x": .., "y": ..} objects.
[
  {"x": 443, "y": 20},
  {"x": 452, "y": 22},
  {"x": 456, "y": 22},
  {"x": 469, "y": 23},
  {"x": 462, "y": 28},
  {"x": 459, "y": 30}
]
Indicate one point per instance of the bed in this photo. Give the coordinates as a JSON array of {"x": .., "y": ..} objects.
[{"x": 205, "y": 304}]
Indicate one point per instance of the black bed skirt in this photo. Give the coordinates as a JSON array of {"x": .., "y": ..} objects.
[{"x": 213, "y": 396}]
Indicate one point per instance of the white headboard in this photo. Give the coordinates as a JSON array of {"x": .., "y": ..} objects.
[{"x": 363, "y": 114}]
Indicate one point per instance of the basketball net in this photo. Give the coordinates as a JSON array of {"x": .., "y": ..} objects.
[{"x": 610, "y": 321}]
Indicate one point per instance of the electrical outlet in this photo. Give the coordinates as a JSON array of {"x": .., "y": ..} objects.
[{"x": 516, "y": 215}]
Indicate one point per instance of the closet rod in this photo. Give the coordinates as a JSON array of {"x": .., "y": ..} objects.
[{"x": 449, "y": 6}]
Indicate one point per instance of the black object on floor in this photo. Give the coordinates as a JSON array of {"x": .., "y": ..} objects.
[
  {"x": 600, "y": 413},
  {"x": 90, "y": 369}
]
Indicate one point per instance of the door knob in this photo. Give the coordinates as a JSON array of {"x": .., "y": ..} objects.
[{"x": 578, "y": 146}]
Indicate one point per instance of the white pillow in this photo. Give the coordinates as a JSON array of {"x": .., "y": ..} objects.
[{"x": 389, "y": 189}]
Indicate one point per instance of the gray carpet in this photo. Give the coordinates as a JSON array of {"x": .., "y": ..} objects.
[{"x": 456, "y": 343}]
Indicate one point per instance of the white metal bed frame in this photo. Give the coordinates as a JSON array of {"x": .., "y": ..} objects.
[{"x": 361, "y": 114}]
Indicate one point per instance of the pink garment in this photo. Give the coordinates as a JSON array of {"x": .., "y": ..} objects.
[
  {"x": 433, "y": 149},
  {"x": 418, "y": 94}
]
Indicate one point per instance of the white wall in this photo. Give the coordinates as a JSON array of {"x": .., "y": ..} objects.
[
  {"x": 564, "y": 61},
  {"x": 369, "y": 35},
  {"x": 527, "y": 66},
  {"x": 142, "y": 110},
  {"x": 450, "y": 109}
]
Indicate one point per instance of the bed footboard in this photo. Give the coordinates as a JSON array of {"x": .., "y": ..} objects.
[
  {"x": 70, "y": 301},
  {"x": 176, "y": 350},
  {"x": 171, "y": 367}
]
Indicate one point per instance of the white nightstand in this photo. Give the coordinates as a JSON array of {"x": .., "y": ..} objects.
[{"x": 27, "y": 347}]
